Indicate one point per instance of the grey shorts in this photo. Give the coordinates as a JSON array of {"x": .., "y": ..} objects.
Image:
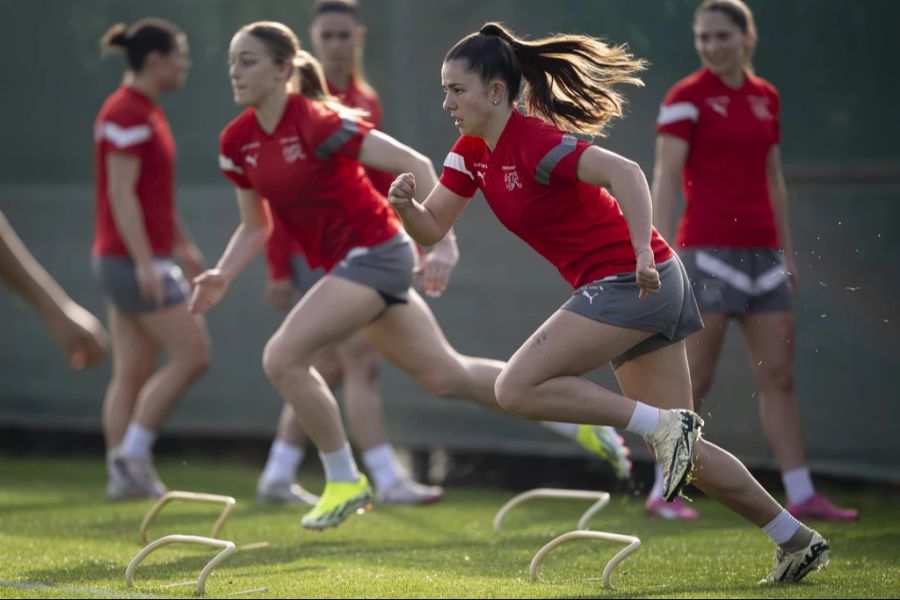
[
  {"x": 117, "y": 278},
  {"x": 303, "y": 275},
  {"x": 671, "y": 315},
  {"x": 387, "y": 267},
  {"x": 737, "y": 281}
]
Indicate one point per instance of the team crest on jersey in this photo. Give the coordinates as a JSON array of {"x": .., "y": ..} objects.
[
  {"x": 292, "y": 153},
  {"x": 511, "y": 178},
  {"x": 760, "y": 107},
  {"x": 719, "y": 104}
]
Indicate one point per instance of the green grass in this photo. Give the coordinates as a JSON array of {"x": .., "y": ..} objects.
[{"x": 57, "y": 532}]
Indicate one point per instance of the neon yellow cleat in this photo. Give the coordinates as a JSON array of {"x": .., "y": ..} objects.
[
  {"x": 339, "y": 500},
  {"x": 608, "y": 445}
]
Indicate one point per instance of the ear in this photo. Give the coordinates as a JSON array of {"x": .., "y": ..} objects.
[
  {"x": 361, "y": 31},
  {"x": 496, "y": 90}
]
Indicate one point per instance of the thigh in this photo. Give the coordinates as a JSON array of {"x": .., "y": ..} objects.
[
  {"x": 328, "y": 314},
  {"x": 659, "y": 378},
  {"x": 181, "y": 333},
  {"x": 409, "y": 336},
  {"x": 133, "y": 350},
  {"x": 570, "y": 344},
  {"x": 769, "y": 337},
  {"x": 704, "y": 346}
]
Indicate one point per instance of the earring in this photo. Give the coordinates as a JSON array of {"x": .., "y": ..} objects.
[{"x": 496, "y": 101}]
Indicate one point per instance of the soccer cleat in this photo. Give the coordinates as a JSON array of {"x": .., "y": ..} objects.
[
  {"x": 791, "y": 567},
  {"x": 407, "y": 491},
  {"x": 608, "y": 445},
  {"x": 818, "y": 506},
  {"x": 283, "y": 492},
  {"x": 673, "y": 444},
  {"x": 677, "y": 509},
  {"x": 339, "y": 500},
  {"x": 134, "y": 477}
]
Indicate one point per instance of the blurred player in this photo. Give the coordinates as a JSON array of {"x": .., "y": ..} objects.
[
  {"x": 137, "y": 234},
  {"x": 719, "y": 130}
]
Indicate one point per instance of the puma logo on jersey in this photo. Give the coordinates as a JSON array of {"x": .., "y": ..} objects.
[
  {"x": 480, "y": 174},
  {"x": 251, "y": 158},
  {"x": 719, "y": 104}
]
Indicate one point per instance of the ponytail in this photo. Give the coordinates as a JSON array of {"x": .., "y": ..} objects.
[
  {"x": 568, "y": 78},
  {"x": 140, "y": 39}
]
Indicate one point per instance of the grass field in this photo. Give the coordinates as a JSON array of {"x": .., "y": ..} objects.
[{"x": 59, "y": 538}]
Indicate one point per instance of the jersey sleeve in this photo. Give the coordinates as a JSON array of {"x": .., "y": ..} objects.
[
  {"x": 330, "y": 133},
  {"x": 678, "y": 114},
  {"x": 278, "y": 251},
  {"x": 554, "y": 157},
  {"x": 126, "y": 131},
  {"x": 230, "y": 159},
  {"x": 457, "y": 175}
]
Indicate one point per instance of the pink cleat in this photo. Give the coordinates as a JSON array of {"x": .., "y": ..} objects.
[
  {"x": 818, "y": 506},
  {"x": 676, "y": 509}
]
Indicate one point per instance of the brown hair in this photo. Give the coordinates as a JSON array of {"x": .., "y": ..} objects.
[
  {"x": 346, "y": 7},
  {"x": 140, "y": 39},
  {"x": 284, "y": 46},
  {"x": 739, "y": 14},
  {"x": 568, "y": 77}
]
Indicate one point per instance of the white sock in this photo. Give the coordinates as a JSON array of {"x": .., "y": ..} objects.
[
  {"x": 111, "y": 454},
  {"x": 339, "y": 465},
  {"x": 657, "y": 490},
  {"x": 568, "y": 430},
  {"x": 782, "y": 528},
  {"x": 381, "y": 463},
  {"x": 137, "y": 441},
  {"x": 283, "y": 461},
  {"x": 798, "y": 485},
  {"x": 644, "y": 419}
]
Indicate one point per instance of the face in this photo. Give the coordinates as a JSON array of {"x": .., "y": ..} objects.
[
  {"x": 252, "y": 70},
  {"x": 720, "y": 43},
  {"x": 468, "y": 100},
  {"x": 172, "y": 68},
  {"x": 335, "y": 38}
]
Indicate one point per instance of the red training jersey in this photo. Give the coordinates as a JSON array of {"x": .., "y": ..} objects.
[
  {"x": 307, "y": 171},
  {"x": 730, "y": 133},
  {"x": 131, "y": 123},
  {"x": 530, "y": 182}
]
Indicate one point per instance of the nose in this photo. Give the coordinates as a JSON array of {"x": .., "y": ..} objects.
[{"x": 448, "y": 105}]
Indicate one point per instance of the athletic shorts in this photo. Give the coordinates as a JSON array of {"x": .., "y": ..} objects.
[
  {"x": 303, "y": 275},
  {"x": 386, "y": 267},
  {"x": 737, "y": 281},
  {"x": 118, "y": 280},
  {"x": 671, "y": 315}
]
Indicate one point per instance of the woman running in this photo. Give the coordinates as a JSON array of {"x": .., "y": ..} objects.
[{"x": 632, "y": 303}]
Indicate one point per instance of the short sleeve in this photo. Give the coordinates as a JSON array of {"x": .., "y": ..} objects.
[
  {"x": 126, "y": 131},
  {"x": 330, "y": 133},
  {"x": 457, "y": 173},
  {"x": 678, "y": 114},
  {"x": 230, "y": 159},
  {"x": 557, "y": 157}
]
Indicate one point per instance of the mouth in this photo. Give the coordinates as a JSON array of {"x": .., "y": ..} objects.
[{"x": 457, "y": 122}]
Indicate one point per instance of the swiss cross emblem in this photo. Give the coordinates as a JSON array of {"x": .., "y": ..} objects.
[
  {"x": 292, "y": 153},
  {"x": 512, "y": 180}
]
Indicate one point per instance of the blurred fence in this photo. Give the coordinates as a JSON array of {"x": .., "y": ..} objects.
[{"x": 833, "y": 62}]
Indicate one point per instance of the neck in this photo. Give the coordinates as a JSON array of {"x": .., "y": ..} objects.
[
  {"x": 734, "y": 78},
  {"x": 338, "y": 77},
  {"x": 494, "y": 129},
  {"x": 269, "y": 111},
  {"x": 142, "y": 84}
]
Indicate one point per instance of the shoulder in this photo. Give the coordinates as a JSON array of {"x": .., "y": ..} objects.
[
  {"x": 124, "y": 108},
  {"x": 686, "y": 89},
  {"x": 765, "y": 86},
  {"x": 237, "y": 129}
]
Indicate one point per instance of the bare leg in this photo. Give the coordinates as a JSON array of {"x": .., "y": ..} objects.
[
  {"x": 662, "y": 379},
  {"x": 134, "y": 358},
  {"x": 703, "y": 349},
  {"x": 364, "y": 403},
  {"x": 290, "y": 429}
]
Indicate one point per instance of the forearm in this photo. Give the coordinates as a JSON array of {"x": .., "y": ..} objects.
[
  {"x": 183, "y": 237},
  {"x": 130, "y": 225},
  {"x": 630, "y": 188},
  {"x": 421, "y": 224},
  {"x": 665, "y": 200},
  {"x": 27, "y": 277},
  {"x": 778, "y": 195},
  {"x": 244, "y": 244}
]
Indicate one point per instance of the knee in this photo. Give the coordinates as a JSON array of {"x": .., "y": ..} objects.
[
  {"x": 778, "y": 378},
  {"x": 276, "y": 363},
  {"x": 361, "y": 361},
  {"x": 513, "y": 394}
]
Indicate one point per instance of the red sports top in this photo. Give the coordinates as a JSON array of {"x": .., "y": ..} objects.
[
  {"x": 307, "y": 170},
  {"x": 730, "y": 133},
  {"x": 280, "y": 246},
  {"x": 131, "y": 123},
  {"x": 530, "y": 182}
]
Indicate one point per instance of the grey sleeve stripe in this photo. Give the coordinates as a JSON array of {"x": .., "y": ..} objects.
[
  {"x": 552, "y": 158},
  {"x": 337, "y": 139}
]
